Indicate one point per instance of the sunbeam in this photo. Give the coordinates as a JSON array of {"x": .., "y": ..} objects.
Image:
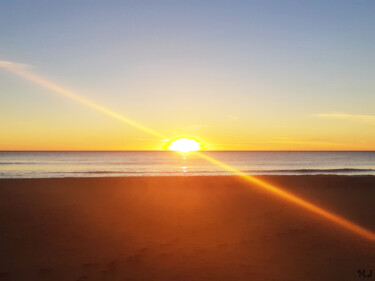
[
  {"x": 295, "y": 199},
  {"x": 20, "y": 71},
  {"x": 277, "y": 191}
]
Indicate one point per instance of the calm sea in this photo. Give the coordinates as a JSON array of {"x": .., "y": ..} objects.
[{"x": 114, "y": 164}]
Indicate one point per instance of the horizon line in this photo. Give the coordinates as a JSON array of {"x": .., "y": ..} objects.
[{"x": 201, "y": 151}]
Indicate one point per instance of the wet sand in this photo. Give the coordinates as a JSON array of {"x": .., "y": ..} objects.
[{"x": 182, "y": 228}]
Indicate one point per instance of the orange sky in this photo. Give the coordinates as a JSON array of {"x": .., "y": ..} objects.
[{"x": 61, "y": 119}]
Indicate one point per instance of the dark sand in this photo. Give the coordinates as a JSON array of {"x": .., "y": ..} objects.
[{"x": 182, "y": 228}]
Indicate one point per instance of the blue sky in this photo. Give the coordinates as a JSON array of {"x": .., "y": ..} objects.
[{"x": 236, "y": 73}]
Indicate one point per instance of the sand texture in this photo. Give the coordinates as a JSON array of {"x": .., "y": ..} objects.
[{"x": 182, "y": 228}]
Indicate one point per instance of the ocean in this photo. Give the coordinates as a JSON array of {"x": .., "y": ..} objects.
[{"x": 164, "y": 163}]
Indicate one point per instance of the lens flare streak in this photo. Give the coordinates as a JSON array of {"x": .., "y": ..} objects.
[
  {"x": 71, "y": 95},
  {"x": 277, "y": 191},
  {"x": 294, "y": 199}
]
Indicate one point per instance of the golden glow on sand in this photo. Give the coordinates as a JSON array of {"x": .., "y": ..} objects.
[
  {"x": 184, "y": 145},
  {"x": 295, "y": 199}
]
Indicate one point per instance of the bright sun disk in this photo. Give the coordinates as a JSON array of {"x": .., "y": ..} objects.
[{"x": 184, "y": 145}]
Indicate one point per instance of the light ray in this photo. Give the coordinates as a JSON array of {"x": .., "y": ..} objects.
[
  {"x": 14, "y": 68},
  {"x": 294, "y": 199},
  {"x": 275, "y": 190}
]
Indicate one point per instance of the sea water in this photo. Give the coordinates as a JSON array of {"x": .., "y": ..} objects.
[{"x": 163, "y": 163}]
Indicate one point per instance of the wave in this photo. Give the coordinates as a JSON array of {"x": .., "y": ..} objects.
[
  {"x": 281, "y": 171},
  {"x": 100, "y": 172},
  {"x": 28, "y": 163},
  {"x": 342, "y": 170}
]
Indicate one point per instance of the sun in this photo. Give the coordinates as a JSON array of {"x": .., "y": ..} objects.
[{"x": 184, "y": 145}]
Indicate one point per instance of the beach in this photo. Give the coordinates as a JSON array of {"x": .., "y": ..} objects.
[{"x": 183, "y": 228}]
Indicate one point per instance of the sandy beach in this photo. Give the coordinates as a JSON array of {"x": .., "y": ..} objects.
[{"x": 182, "y": 228}]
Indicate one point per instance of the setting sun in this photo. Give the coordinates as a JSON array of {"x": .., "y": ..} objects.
[{"x": 184, "y": 145}]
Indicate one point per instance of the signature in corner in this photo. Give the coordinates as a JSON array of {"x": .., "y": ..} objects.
[{"x": 365, "y": 273}]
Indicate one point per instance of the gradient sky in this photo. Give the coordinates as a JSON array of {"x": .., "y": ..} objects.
[{"x": 239, "y": 75}]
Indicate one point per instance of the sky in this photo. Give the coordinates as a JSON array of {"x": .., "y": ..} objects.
[{"x": 237, "y": 75}]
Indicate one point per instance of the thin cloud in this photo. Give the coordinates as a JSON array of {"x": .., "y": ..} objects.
[
  {"x": 316, "y": 142},
  {"x": 10, "y": 64},
  {"x": 360, "y": 118},
  {"x": 283, "y": 140},
  {"x": 145, "y": 139}
]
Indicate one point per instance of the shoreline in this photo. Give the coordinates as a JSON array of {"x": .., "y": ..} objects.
[{"x": 194, "y": 176}]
